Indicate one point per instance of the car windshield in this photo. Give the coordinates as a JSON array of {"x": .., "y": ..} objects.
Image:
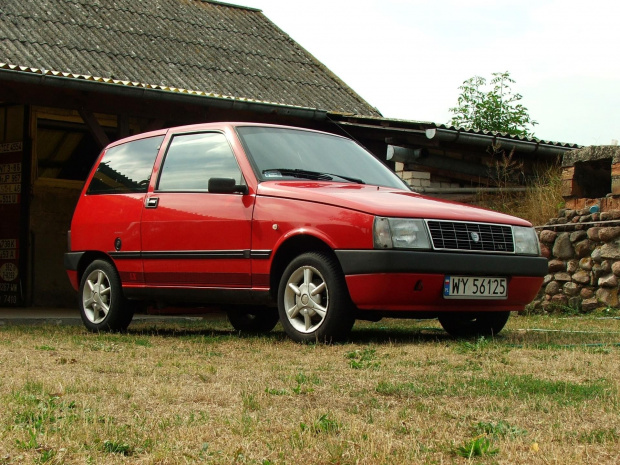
[{"x": 282, "y": 153}]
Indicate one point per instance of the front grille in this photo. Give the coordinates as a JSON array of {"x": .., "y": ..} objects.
[{"x": 450, "y": 235}]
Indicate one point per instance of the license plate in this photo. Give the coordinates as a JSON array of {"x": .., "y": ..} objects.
[{"x": 475, "y": 287}]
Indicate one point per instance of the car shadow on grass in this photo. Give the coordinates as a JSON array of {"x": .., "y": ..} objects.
[{"x": 363, "y": 333}]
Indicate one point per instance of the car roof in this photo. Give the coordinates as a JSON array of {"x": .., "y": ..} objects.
[{"x": 205, "y": 126}]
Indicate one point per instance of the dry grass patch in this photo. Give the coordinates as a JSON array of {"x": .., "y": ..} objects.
[
  {"x": 400, "y": 392},
  {"x": 539, "y": 203}
]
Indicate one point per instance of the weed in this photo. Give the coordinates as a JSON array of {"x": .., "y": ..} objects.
[
  {"x": 249, "y": 401},
  {"x": 32, "y": 441},
  {"x": 387, "y": 388},
  {"x": 45, "y": 347},
  {"x": 40, "y": 414},
  {"x": 362, "y": 359},
  {"x": 499, "y": 429},
  {"x": 117, "y": 447},
  {"x": 142, "y": 342},
  {"x": 479, "y": 345},
  {"x": 46, "y": 455},
  {"x": 324, "y": 425},
  {"x": 276, "y": 392},
  {"x": 476, "y": 447},
  {"x": 247, "y": 424},
  {"x": 302, "y": 383},
  {"x": 599, "y": 436}
]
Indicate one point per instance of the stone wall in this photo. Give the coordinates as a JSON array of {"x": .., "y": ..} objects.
[{"x": 583, "y": 248}]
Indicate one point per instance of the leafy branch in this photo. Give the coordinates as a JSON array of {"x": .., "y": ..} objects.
[{"x": 497, "y": 109}]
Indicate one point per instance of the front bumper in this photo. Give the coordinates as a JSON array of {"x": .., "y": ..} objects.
[
  {"x": 413, "y": 281},
  {"x": 406, "y": 261}
]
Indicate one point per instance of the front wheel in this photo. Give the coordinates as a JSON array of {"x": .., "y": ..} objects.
[
  {"x": 473, "y": 324},
  {"x": 313, "y": 299},
  {"x": 252, "y": 319},
  {"x": 102, "y": 304}
]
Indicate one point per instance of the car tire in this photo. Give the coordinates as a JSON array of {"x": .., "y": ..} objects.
[
  {"x": 313, "y": 300},
  {"x": 253, "y": 319},
  {"x": 473, "y": 324},
  {"x": 103, "y": 306}
]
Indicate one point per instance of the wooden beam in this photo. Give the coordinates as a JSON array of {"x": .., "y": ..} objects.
[
  {"x": 94, "y": 127},
  {"x": 122, "y": 125},
  {"x": 452, "y": 165},
  {"x": 155, "y": 124},
  {"x": 450, "y": 174}
]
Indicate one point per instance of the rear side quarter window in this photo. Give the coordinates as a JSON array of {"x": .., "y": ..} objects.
[{"x": 126, "y": 168}]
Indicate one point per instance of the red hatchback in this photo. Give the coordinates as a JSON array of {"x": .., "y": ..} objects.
[{"x": 282, "y": 224}]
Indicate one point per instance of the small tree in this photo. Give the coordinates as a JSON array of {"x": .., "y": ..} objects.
[{"x": 494, "y": 110}]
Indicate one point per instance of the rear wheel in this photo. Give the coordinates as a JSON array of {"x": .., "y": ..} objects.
[
  {"x": 473, "y": 324},
  {"x": 102, "y": 304},
  {"x": 252, "y": 319},
  {"x": 313, "y": 299}
]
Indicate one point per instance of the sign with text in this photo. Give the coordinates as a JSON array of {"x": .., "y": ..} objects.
[{"x": 11, "y": 177}]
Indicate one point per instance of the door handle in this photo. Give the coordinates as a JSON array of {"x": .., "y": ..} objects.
[{"x": 152, "y": 202}]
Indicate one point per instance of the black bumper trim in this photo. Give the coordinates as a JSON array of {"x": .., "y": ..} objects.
[
  {"x": 72, "y": 260},
  {"x": 408, "y": 261}
]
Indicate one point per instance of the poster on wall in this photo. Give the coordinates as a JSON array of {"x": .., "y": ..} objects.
[{"x": 11, "y": 177}]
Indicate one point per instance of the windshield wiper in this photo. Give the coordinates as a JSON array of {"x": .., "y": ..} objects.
[{"x": 299, "y": 173}]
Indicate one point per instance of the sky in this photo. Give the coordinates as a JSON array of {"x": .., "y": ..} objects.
[{"x": 408, "y": 58}]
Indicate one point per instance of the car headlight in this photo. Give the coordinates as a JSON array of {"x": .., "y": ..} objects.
[
  {"x": 400, "y": 233},
  {"x": 526, "y": 241}
]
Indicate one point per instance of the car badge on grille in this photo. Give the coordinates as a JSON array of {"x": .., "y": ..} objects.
[{"x": 474, "y": 236}]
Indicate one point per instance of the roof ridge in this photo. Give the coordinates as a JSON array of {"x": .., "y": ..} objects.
[
  {"x": 166, "y": 18},
  {"x": 232, "y": 5},
  {"x": 214, "y": 2}
]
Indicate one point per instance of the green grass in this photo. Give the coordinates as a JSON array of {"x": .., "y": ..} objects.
[{"x": 522, "y": 387}]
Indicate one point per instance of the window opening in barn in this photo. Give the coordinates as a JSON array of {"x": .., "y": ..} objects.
[
  {"x": 65, "y": 150},
  {"x": 593, "y": 178}
]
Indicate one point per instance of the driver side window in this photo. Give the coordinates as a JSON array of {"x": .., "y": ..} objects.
[{"x": 193, "y": 159}]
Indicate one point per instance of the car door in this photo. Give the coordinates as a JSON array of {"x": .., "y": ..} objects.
[{"x": 192, "y": 237}]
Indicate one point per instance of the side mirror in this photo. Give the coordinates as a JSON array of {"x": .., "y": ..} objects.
[{"x": 226, "y": 186}]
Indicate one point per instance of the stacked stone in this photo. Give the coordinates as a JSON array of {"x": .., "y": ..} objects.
[{"x": 583, "y": 249}]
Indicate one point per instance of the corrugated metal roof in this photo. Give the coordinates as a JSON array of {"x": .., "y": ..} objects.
[
  {"x": 423, "y": 126},
  {"x": 191, "y": 46},
  {"x": 509, "y": 136}
]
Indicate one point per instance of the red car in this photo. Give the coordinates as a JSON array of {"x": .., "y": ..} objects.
[{"x": 284, "y": 224}]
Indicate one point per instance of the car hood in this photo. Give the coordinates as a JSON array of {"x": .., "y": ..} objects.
[{"x": 382, "y": 201}]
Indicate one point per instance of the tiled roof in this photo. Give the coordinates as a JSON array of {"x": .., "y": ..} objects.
[{"x": 205, "y": 47}]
